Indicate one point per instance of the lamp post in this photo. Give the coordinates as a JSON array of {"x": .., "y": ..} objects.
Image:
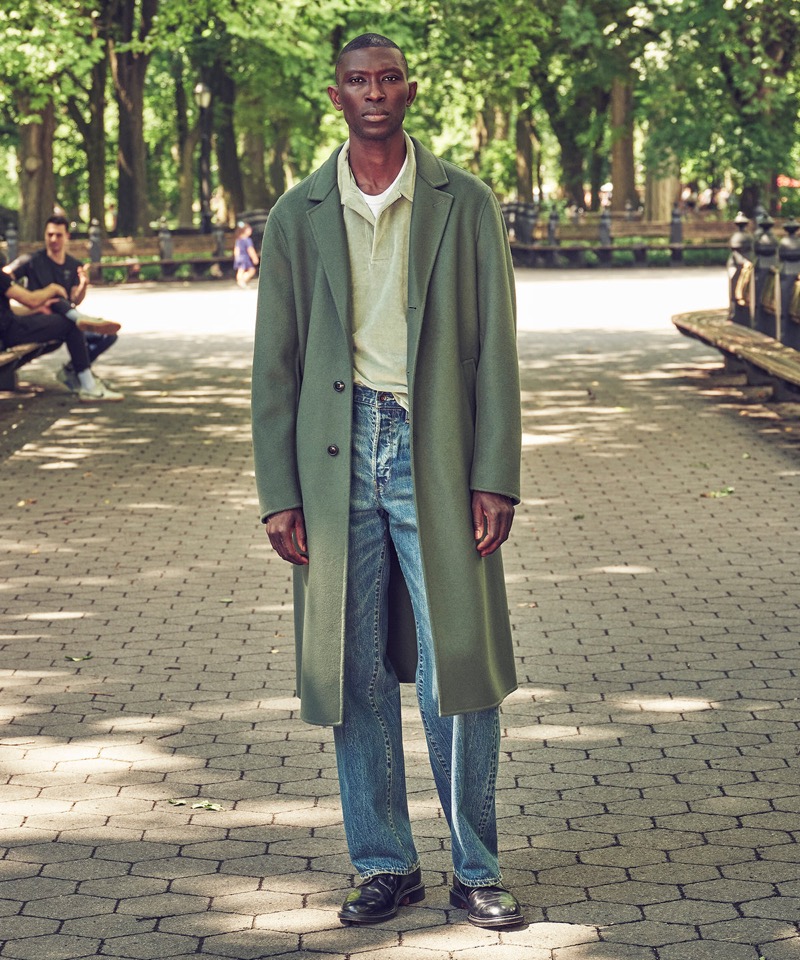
[{"x": 202, "y": 97}]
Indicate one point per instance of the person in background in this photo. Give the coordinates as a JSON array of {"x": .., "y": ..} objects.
[
  {"x": 54, "y": 265},
  {"x": 35, "y": 322},
  {"x": 245, "y": 258}
]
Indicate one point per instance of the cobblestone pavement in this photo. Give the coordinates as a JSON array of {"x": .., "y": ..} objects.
[{"x": 160, "y": 798}]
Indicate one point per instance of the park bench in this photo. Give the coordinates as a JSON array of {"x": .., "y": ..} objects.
[
  {"x": 759, "y": 332},
  {"x": 12, "y": 358},
  {"x": 168, "y": 254},
  {"x": 611, "y": 240},
  {"x": 761, "y": 358}
]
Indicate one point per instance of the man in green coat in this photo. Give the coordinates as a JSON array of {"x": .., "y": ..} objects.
[{"x": 386, "y": 431}]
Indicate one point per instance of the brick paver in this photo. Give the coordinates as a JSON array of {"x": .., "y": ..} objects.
[{"x": 648, "y": 799}]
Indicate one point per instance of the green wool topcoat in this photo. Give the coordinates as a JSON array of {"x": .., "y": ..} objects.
[{"x": 463, "y": 382}]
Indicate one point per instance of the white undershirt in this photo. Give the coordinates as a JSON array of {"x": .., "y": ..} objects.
[{"x": 376, "y": 201}]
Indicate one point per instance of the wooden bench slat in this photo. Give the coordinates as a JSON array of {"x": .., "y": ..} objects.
[
  {"x": 750, "y": 346},
  {"x": 13, "y": 357}
]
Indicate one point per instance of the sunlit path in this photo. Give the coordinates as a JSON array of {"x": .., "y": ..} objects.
[{"x": 647, "y": 798}]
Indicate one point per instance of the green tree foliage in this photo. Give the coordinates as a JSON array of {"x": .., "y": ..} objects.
[
  {"x": 723, "y": 85},
  {"x": 97, "y": 106},
  {"x": 47, "y": 53}
]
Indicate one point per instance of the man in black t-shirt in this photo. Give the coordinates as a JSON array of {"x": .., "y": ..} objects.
[
  {"x": 54, "y": 265},
  {"x": 35, "y": 323},
  {"x": 38, "y": 325}
]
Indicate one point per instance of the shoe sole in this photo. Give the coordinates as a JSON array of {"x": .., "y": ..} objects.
[
  {"x": 456, "y": 900},
  {"x": 101, "y": 399},
  {"x": 99, "y": 326},
  {"x": 414, "y": 895}
]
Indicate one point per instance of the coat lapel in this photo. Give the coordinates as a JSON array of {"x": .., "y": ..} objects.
[
  {"x": 327, "y": 225},
  {"x": 429, "y": 215},
  {"x": 430, "y": 211}
]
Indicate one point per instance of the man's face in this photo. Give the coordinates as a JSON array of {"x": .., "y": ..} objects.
[
  {"x": 55, "y": 240},
  {"x": 373, "y": 92}
]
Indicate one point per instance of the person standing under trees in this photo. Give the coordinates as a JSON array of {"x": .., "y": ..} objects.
[
  {"x": 386, "y": 431},
  {"x": 245, "y": 258},
  {"x": 54, "y": 265}
]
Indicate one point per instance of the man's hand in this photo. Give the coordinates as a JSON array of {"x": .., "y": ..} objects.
[
  {"x": 492, "y": 516},
  {"x": 78, "y": 292},
  {"x": 51, "y": 292},
  {"x": 287, "y": 534}
]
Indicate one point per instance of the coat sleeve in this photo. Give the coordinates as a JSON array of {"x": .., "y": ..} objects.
[
  {"x": 498, "y": 425},
  {"x": 276, "y": 378}
]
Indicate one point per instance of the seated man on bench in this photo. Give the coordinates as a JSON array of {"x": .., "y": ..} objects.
[
  {"x": 53, "y": 264},
  {"x": 37, "y": 324}
]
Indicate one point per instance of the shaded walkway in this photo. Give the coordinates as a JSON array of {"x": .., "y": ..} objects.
[{"x": 649, "y": 795}]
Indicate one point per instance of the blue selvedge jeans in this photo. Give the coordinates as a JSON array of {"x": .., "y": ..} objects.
[{"x": 463, "y": 749}]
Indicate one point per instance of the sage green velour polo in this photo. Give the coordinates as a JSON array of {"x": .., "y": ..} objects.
[
  {"x": 464, "y": 405},
  {"x": 378, "y": 255}
]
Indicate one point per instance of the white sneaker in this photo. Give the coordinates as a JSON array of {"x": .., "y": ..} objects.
[
  {"x": 100, "y": 393},
  {"x": 98, "y": 325},
  {"x": 69, "y": 378}
]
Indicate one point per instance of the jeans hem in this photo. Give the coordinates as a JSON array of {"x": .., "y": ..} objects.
[
  {"x": 497, "y": 882},
  {"x": 377, "y": 872}
]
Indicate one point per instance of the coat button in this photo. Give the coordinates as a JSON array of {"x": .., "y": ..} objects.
[
  {"x": 333, "y": 450},
  {"x": 338, "y": 386}
]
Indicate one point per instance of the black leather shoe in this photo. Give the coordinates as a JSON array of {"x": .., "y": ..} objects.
[
  {"x": 488, "y": 906},
  {"x": 378, "y": 898}
]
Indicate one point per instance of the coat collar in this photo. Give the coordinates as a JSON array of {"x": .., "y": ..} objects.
[
  {"x": 429, "y": 215},
  {"x": 429, "y": 168}
]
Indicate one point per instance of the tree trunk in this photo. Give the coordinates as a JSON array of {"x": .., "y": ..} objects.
[
  {"x": 277, "y": 164},
  {"x": 481, "y": 135},
  {"x": 132, "y": 197},
  {"x": 36, "y": 179},
  {"x": 187, "y": 179},
  {"x": 187, "y": 140},
  {"x": 598, "y": 157},
  {"x": 572, "y": 171},
  {"x": 230, "y": 174},
  {"x": 750, "y": 198},
  {"x": 660, "y": 195},
  {"x": 92, "y": 132},
  {"x": 524, "y": 138},
  {"x": 596, "y": 178},
  {"x": 623, "y": 170},
  {"x": 254, "y": 180},
  {"x": 568, "y": 122},
  {"x": 95, "y": 140},
  {"x": 129, "y": 68}
]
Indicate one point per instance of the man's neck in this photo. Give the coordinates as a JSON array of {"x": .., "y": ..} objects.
[
  {"x": 60, "y": 259},
  {"x": 375, "y": 164}
]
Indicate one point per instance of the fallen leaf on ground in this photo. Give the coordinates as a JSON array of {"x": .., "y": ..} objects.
[{"x": 717, "y": 494}]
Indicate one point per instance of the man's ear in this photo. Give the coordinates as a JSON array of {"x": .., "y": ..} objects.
[
  {"x": 412, "y": 93},
  {"x": 333, "y": 93}
]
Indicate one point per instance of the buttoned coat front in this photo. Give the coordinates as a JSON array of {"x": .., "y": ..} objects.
[{"x": 464, "y": 425}]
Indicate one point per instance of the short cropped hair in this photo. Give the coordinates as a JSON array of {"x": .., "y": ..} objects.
[
  {"x": 370, "y": 40},
  {"x": 58, "y": 220}
]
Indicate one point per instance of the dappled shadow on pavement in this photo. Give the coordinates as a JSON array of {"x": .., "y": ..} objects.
[{"x": 162, "y": 798}]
